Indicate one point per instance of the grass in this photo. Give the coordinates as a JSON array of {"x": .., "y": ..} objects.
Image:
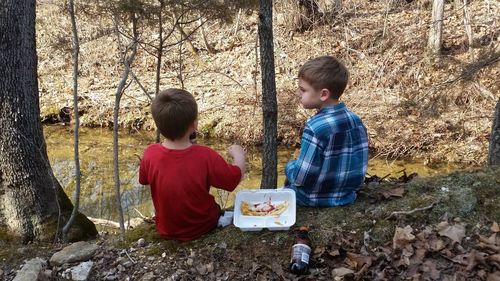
[{"x": 471, "y": 196}]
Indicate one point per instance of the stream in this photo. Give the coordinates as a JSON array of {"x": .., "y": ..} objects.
[{"x": 97, "y": 197}]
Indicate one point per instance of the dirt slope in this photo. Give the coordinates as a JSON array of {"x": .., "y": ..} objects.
[{"x": 413, "y": 104}]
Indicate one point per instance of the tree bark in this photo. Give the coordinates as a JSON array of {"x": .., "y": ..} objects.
[
  {"x": 436, "y": 32},
  {"x": 127, "y": 63},
  {"x": 33, "y": 204},
  {"x": 494, "y": 150},
  {"x": 269, "y": 104},
  {"x": 467, "y": 26},
  {"x": 76, "y": 55}
]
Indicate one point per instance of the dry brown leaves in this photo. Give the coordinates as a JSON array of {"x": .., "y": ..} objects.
[{"x": 435, "y": 252}]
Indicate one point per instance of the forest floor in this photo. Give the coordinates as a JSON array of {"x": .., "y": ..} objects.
[
  {"x": 415, "y": 105},
  {"x": 440, "y": 228}
]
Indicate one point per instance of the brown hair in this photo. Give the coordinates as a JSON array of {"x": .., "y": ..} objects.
[
  {"x": 174, "y": 110},
  {"x": 325, "y": 72}
]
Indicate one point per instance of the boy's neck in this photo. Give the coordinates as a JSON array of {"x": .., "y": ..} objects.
[
  {"x": 177, "y": 144},
  {"x": 329, "y": 102}
]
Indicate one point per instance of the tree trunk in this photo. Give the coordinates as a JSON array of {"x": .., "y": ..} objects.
[
  {"x": 494, "y": 151},
  {"x": 436, "y": 32},
  {"x": 467, "y": 26},
  {"x": 76, "y": 55},
  {"x": 33, "y": 204},
  {"x": 159, "y": 56},
  {"x": 269, "y": 104},
  {"x": 127, "y": 63}
]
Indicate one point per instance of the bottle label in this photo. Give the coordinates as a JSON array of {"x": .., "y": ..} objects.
[{"x": 301, "y": 252}]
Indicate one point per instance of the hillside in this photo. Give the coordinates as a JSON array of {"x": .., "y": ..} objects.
[{"x": 413, "y": 104}]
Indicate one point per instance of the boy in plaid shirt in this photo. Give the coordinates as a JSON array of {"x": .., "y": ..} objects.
[{"x": 334, "y": 148}]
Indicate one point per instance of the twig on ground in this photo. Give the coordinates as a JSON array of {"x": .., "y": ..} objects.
[
  {"x": 143, "y": 217},
  {"x": 394, "y": 214},
  {"x": 104, "y": 222},
  {"x": 131, "y": 259}
]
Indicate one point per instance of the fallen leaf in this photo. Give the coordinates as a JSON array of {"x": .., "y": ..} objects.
[
  {"x": 429, "y": 267},
  {"x": 402, "y": 236},
  {"x": 419, "y": 256},
  {"x": 436, "y": 244},
  {"x": 495, "y": 258},
  {"x": 474, "y": 259},
  {"x": 339, "y": 273},
  {"x": 455, "y": 232},
  {"x": 334, "y": 253},
  {"x": 395, "y": 192},
  {"x": 405, "y": 256},
  {"x": 357, "y": 261},
  {"x": 318, "y": 251},
  {"x": 494, "y": 276},
  {"x": 277, "y": 269},
  {"x": 494, "y": 227},
  {"x": 461, "y": 259}
]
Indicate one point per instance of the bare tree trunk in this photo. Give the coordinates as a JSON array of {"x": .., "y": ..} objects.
[
  {"x": 337, "y": 5},
  {"x": 127, "y": 62},
  {"x": 467, "y": 25},
  {"x": 494, "y": 150},
  {"x": 436, "y": 31},
  {"x": 159, "y": 56},
  {"x": 180, "y": 75},
  {"x": 210, "y": 49},
  {"x": 76, "y": 52},
  {"x": 184, "y": 36},
  {"x": 269, "y": 104},
  {"x": 237, "y": 24},
  {"x": 32, "y": 201}
]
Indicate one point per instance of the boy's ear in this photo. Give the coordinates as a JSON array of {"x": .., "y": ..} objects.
[
  {"x": 194, "y": 125},
  {"x": 324, "y": 94}
]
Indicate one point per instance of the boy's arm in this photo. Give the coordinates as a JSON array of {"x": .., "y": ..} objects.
[
  {"x": 238, "y": 154},
  {"x": 305, "y": 171},
  {"x": 143, "y": 175},
  {"x": 224, "y": 175}
]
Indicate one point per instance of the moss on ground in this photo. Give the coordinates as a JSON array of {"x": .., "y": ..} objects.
[{"x": 471, "y": 196}]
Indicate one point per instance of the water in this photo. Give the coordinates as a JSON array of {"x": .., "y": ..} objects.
[{"x": 97, "y": 183}]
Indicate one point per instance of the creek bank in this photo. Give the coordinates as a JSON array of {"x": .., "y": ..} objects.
[
  {"x": 414, "y": 105},
  {"x": 358, "y": 240}
]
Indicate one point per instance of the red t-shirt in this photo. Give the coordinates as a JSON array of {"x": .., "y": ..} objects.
[{"x": 180, "y": 181}]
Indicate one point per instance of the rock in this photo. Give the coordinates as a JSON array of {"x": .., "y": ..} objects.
[
  {"x": 141, "y": 242},
  {"x": 30, "y": 270},
  {"x": 46, "y": 275},
  {"x": 1, "y": 274},
  {"x": 210, "y": 267},
  {"x": 150, "y": 276},
  {"x": 76, "y": 252},
  {"x": 111, "y": 277},
  {"x": 202, "y": 269},
  {"x": 80, "y": 272}
]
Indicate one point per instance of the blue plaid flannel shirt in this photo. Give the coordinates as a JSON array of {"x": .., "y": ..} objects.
[{"x": 333, "y": 159}]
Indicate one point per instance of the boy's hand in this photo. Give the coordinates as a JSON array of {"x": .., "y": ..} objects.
[
  {"x": 238, "y": 154},
  {"x": 236, "y": 151}
]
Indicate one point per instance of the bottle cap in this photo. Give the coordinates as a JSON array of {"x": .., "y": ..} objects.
[{"x": 304, "y": 228}]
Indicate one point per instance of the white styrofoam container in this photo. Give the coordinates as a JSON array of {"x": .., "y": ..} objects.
[{"x": 256, "y": 223}]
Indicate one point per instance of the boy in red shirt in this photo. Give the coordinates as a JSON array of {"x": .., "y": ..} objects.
[{"x": 181, "y": 173}]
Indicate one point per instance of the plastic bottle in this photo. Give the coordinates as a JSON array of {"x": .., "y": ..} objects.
[{"x": 301, "y": 249}]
